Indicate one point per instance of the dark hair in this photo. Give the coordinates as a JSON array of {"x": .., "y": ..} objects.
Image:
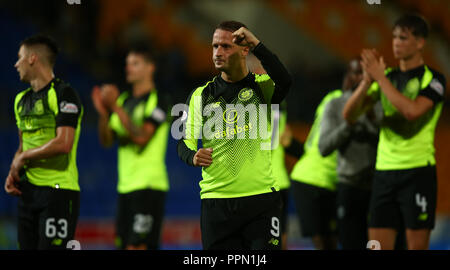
[
  {"x": 353, "y": 67},
  {"x": 144, "y": 51},
  {"x": 47, "y": 42},
  {"x": 230, "y": 26},
  {"x": 415, "y": 23}
]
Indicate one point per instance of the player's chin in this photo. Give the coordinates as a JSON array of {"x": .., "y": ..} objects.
[
  {"x": 220, "y": 67},
  {"x": 23, "y": 78},
  {"x": 130, "y": 79},
  {"x": 398, "y": 55}
]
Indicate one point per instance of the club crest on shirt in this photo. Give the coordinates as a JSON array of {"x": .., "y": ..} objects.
[
  {"x": 412, "y": 88},
  {"x": 138, "y": 112},
  {"x": 245, "y": 94},
  {"x": 38, "y": 107}
]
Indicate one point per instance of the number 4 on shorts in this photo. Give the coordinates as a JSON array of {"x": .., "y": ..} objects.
[{"x": 421, "y": 202}]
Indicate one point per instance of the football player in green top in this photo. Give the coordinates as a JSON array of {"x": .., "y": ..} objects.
[
  {"x": 44, "y": 172},
  {"x": 412, "y": 95},
  {"x": 240, "y": 197},
  {"x": 137, "y": 119}
]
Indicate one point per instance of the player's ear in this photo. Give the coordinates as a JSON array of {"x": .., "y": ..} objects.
[
  {"x": 151, "y": 67},
  {"x": 420, "y": 43},
  {"x": 32, "y": 58},
  {"x": 245, "y": 51}
]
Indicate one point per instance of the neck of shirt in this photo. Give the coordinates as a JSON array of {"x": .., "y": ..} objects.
[
  {"x": 413, "y": 63},
  {"x": 233, "y": 78},
  {"x": 46, "y": 86},
  {"x": 41, "y": 81}
]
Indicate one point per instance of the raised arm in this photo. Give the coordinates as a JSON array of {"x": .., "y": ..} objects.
[
  {"x": 139, "y": 135},
  {"x": 270, "y": 62},
  {"x": 105, "y": 133},
  {"x": 359, "y": 102},
  {"x": 411, "y": 109}
]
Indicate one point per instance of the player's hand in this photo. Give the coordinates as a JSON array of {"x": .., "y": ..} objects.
[
  {"x": 243, "y": 37},
  {"x": 203, "y": 157},
  {"x": 373, "y": 64},
  {"x": 11, "y": 186},
  {"x": 109, "y": 93},
  {"x": 96, "y": 97},
  {"x": 97, "y": 100},
  {"x": 16, "y": 165},
  {"x": 366, "y": 77}
]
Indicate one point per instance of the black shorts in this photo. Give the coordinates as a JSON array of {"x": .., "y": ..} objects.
[
  {"x": 316, "y": 208},
  {"x": 47, "y": 217},
  {"x": 139, "y": 218},
  {"x": 249, "y": 223},
  {"x": 404, "y": 197},
  {"x": 284, "y": 209},
  {"x": 352, "y": 216}
]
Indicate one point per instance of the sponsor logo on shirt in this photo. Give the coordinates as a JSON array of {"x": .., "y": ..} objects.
[
  {"x": 67, "y": 107},
  {"x": 437, "y": 86},
  {"x": 231, "y": 116},
  {"x": 158, "y": 114}
]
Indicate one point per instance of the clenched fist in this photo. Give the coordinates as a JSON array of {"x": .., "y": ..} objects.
[
  {"x": 243, "y": 37},
  {"x": 203, "y": 157}
]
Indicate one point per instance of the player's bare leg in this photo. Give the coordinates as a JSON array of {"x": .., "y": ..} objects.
[
  {"x": 324, "y": 242},
  {"x": 284, "y": 241},
  {"x": 137, "y": 247},
  {"x": 386, "y": 237},
  {"x": 418, "y": 239}
]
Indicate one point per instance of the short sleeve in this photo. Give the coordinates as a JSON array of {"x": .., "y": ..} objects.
[
  {"x": 16, "y": 108},
  {"x": 156, "y": 110},
  {"x": 69, "y": 108},
  {"x": 435, "y": 89}
]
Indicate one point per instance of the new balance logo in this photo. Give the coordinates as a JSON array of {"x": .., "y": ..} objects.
[{"x": 274, "y": 241}]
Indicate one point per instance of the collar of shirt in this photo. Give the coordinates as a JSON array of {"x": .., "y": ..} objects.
[{"x": 223, "y": 87}]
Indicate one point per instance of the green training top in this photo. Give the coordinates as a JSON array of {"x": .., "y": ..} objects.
[
  {"x": 240, "y": 167},
  {"x": 313, "y": 168},
  {"x": 38, "y": 115},
  {"x": 407, "y": 144},
  {"x": 142, "y": 167},
  {"x": 234, "y": 119}
]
